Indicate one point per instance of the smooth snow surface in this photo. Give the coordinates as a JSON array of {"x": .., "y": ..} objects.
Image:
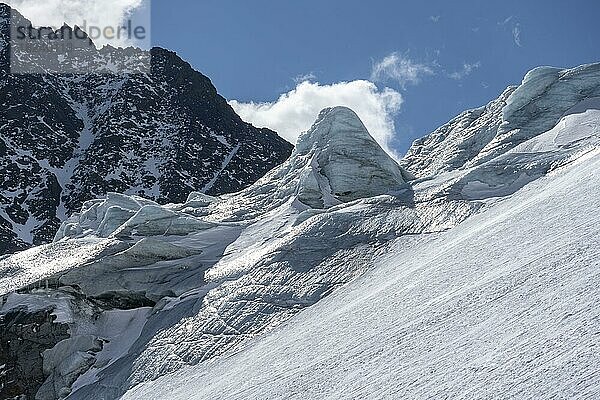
[{"x": 503, "y": 306}]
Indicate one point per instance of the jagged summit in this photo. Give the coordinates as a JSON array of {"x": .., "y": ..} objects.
[{"x": 69, "y": 138}]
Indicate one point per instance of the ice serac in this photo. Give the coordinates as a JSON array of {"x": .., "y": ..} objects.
[
  {"x": 336, "y": 161},
  {"x": 454, "y": 144},
  {"x": 346, "y": 163},
  {"x": 521, "y": 113}
]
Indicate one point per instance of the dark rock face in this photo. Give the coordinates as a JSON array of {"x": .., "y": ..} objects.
[
  {"x": 23, "y": 337},
  {"x": 65, "y": 139}
]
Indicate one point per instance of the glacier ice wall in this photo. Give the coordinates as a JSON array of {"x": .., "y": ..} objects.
[{"x": 521, "y": 113}]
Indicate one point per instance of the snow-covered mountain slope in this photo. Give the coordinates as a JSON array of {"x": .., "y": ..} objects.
[
  {"x": 519, "y": 114},
  {"x": 505, "y": 305},
  {"x": 218, "y": 272},
  {"x": 136, "y": 291},
  {"x": 66, "y": 139}
]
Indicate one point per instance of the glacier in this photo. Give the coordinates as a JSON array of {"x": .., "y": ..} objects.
[
  {"x": 502, "y": 306},
  {"x": 521, "y": 113},
  {"x": 465, "y": 270}
]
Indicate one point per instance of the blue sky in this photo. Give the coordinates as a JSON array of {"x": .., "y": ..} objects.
[{"x": 471, "y": 50}]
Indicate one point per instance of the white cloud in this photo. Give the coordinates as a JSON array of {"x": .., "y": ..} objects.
[
  {"x": 294, "y": 112},
  {"x": 515, "y": 30},
  {"x": 305, "y": 77},
  {"x": 401, "y": 69},
  {"x": 466, "y": 70},
  {"x": 434, "y": 18},
  {"x": 517, "y": 34},
  {"x": 99, "y": 13}
]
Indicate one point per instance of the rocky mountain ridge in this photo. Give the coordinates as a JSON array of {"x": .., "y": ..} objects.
[{"x": 69, "y": 138}]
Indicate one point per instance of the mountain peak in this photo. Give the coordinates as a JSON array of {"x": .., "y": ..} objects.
[
  {"x": 159, "y": 135},
  {"x": 345, "y": 162},
  {"x": 333, "y": 125}
]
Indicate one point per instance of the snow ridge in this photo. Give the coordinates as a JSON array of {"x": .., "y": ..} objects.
[{"x": 519, "y": 114}]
